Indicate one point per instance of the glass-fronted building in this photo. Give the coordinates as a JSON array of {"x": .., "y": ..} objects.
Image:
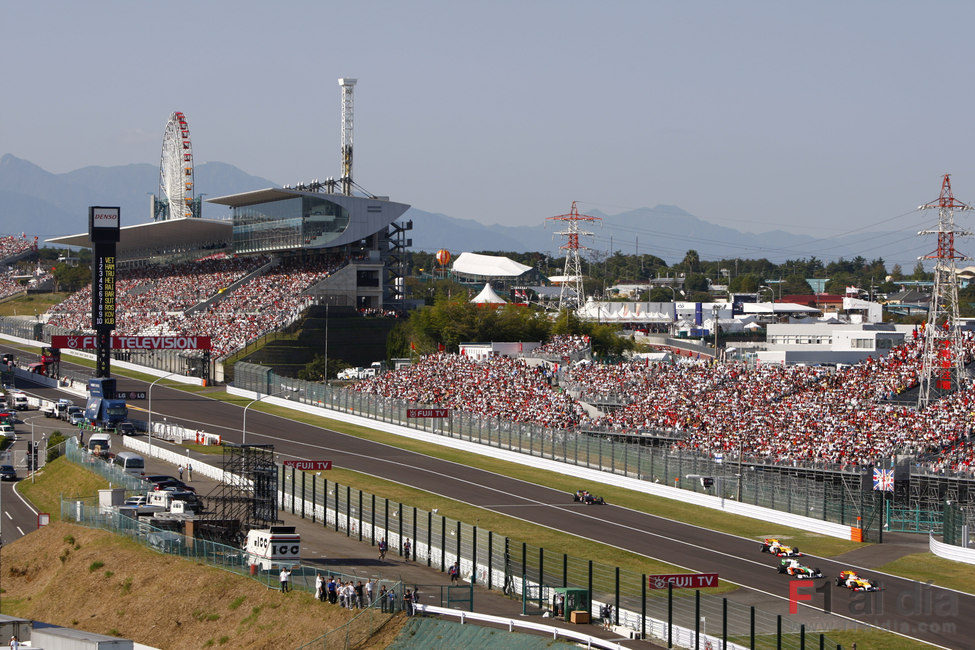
[{"x": 284, "y": 219}]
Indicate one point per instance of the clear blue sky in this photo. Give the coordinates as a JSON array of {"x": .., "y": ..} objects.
[{"x": 810, "y": 117}]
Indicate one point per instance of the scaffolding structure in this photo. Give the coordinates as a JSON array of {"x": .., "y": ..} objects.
[
  {"x": 572, "y": 275},
  {"x": 246, "y": 498},
  {"x": 943, "y": 365}
]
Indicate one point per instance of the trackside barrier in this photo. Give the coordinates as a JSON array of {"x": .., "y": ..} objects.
[
  {"x": 950, "y": 551},
  {"x": 156, "y": 451},
  {"x": 126, "y": 365},
  {"x": 638, "y": 485},
  {"x": 511, "y": 623},
  {"x": 513, "y": 567}
]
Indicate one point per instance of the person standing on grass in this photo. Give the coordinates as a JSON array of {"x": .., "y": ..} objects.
[
  {"x": 285, "y": 575},
  {"x": 319, "y": 583}
]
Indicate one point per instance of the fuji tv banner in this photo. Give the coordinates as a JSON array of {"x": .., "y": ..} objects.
[{"x": 134, "y": 342}]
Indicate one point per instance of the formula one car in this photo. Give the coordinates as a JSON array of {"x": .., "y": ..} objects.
[
  {"x": 798, "y": 571},
  {"x": 584, "y": 496},
  {"x": 776, "y": 548},
  {"x": 854, "y": 582}
]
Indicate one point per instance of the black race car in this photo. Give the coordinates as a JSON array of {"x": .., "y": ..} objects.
[{"x": 584, "y": 496}]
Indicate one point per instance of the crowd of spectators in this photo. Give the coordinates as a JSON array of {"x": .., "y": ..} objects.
[
  {"x": 498, "y": 387},
  {"x": 793, "y": 414},
  {"x": 11, "y": 245},
  {"x": 564, "y": 345},
  {"x": 157, "y": 300}
]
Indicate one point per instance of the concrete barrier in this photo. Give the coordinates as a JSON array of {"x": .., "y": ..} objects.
[
  {"x": 706, "y": 500},
  {"x": 951, "y": 552}
]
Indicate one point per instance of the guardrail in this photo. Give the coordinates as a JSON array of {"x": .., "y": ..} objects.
[{"x": 950, "y": 551}]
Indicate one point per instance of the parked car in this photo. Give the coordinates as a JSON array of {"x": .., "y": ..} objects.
[
  {"x": 76, "y": 418},
  {"x": 173, "y": 484},
  {"x": 139, "y": 500},
  {"x": 126, "y": 429},
  {"x": 8, "y": 473},
  {"x": 8, "y": 431}
]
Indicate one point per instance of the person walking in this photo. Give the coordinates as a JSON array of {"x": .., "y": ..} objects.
[
  {"x": 14, "y": 643},
  {"x": 180, "y": 471},
  {"x": 383, "y": 547},
  {"x": 285, "y": 576},
  {"x": 189, "y": 472},
  {"x": 406, "y": 550}
]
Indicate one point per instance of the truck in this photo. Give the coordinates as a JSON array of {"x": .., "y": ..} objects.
[
  {"x": 274, "y": 547},
  {"x": 103, "y": 409},
  {"x": 57, "y": 409}
]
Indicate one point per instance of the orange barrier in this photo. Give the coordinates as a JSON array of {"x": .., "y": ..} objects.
[{"x": 856, "y": 534}]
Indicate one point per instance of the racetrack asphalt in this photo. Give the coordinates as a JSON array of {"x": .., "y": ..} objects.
[{"x": 933, "y": 614}]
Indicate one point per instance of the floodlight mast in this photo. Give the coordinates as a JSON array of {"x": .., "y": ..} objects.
[
  {"x": 347, "y": 87},
  {"x": 943, "y": 358}
]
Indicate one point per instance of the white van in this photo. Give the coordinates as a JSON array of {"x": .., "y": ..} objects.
[
  {"x": 131, "y": 462},
  {"x": 102, "y": 442},
  {"x": 20, "y": 402}
]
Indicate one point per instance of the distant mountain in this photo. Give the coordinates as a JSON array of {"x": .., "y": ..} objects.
[
  {"x": 665, "y": 231},
  {"x": 38, "y": 202}
]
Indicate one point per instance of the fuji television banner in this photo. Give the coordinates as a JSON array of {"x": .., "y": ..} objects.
[{"x": 134, "y": 342}]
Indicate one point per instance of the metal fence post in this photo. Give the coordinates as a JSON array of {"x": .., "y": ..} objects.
[
  {"x": 670, "y": 616},
  {"x": 414, "y": 533},
  {"x": 360, "y": 515},
  {"x": 616, "y": 609},
  {"x": 589, "y": 583},
  {"x": 565, "y": 570},
  {"x": 778, "y": 632},
  {"x": 336, "y": 507},
  {"x": 314, "y": 499},
  {"x": 643, "y": 606},
  {"x": 429, "y": 538},
  {"x": 372, "y": 523},
  {"x": 524, "y": 563},
  {"x": 458, "y": 542},
  {"x": 304, "y": 475},
  {"x": 802, "y": 637},
  {"x": 473, "y": 555},
  {"x": 348, "y": 510},
  {"x": 443, "y": 543},
  {"x": 697, "y": 619},
  {"x": 724, "y": 624},
  {"x": 541, "y": 570},
  {"x": 490, "y": 560}
]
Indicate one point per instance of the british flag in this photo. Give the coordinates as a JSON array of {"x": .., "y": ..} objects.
[{"x": 883, "y": 479}]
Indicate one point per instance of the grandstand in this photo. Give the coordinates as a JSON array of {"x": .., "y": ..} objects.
[
  {"x": 795, "y": 415},
  {"x": 237, "y": 279}
]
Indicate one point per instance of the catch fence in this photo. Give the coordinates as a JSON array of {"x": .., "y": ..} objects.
[
  {"x": 514, "y": 567},
  {"x": 829, "y": 495}
]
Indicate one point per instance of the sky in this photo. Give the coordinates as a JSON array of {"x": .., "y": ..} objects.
[{"x": 814, "y": 118}]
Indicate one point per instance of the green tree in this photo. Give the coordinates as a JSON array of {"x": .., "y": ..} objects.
[
  {"x": 747, "y": 283},
  {"x": 314, "y": 369}
]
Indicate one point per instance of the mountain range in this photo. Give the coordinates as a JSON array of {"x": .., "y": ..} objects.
[{"x": 38, "y": 202}]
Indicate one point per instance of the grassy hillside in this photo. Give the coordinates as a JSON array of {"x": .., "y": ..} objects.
[{"x": 93, "y": 580}]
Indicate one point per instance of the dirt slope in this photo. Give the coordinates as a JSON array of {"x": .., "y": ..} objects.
[{"x": 52, "y": 575}]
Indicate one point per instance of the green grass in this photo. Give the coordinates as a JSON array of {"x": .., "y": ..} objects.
[
  {"x": 215, "y": 450},
  {"x": 57, "y": 478},
  {"x": 29, "y": 305},
  {"x": 517, "y": 529},
  {"x": 927, "y": 567}
]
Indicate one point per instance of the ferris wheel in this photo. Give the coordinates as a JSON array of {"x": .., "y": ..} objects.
[{"x": 176, "y": 167}]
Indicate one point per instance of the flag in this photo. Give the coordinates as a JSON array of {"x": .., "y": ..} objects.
[
  {"x": 441, "y": 347},
  {"x": 883, "y": 479},
  {"x": 413, "y": 346}
]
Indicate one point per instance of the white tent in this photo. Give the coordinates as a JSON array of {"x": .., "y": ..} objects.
[
  {"x": 492, "y": 266},
  {"x": 488, "y": 296}
]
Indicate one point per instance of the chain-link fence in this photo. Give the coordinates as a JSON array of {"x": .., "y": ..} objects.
[
  {"x": 228, "y": 558},
  {"x": 514, "y": 567}
]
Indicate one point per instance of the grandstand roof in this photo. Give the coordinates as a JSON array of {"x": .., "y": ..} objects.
[
  {"x": 181, "y": 232},
  {"x": 254, "y": 197},
  {"x": 488, "y": 266}
]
